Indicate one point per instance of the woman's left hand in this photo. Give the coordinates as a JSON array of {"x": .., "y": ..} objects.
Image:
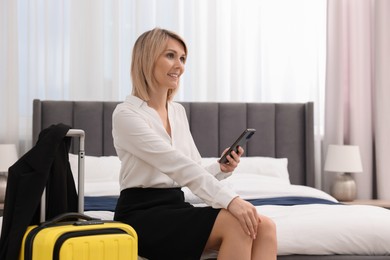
[{"x": 233, "y": 160}]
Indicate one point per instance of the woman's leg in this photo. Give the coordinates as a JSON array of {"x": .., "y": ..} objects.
[
  {"x": 265, "y": 244},
  {"x": 228, "y": 237}
]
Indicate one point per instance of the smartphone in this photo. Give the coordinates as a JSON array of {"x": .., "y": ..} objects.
[{"x": 241, "y": 140}]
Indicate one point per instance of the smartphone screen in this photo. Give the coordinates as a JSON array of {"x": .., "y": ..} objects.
[{"x": 241, "y": 140}]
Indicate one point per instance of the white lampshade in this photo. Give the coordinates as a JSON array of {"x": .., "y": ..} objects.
[
  {"x": 8, "y": 156},
  {"x": 343, "y": 158}
]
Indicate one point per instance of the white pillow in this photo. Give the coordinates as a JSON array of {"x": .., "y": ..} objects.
[
  {"x": 264, "y": 166},
  {"x": 97, "y": 168}
]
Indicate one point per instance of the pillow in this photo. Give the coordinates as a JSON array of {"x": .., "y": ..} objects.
[
  {"x": 97, "y": 168},
  {"x": 264, "y": 166}
]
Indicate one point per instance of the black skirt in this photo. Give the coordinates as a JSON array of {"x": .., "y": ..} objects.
[{"x": 168, "y": 228}]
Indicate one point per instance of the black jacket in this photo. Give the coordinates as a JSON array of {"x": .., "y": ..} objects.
[{"x": 45, "y": 165}]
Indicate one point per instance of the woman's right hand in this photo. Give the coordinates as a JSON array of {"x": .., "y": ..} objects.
[{"x": 246, "y": 214}]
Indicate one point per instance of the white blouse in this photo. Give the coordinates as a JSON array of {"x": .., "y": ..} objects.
[{"x": 152, "y": 158}]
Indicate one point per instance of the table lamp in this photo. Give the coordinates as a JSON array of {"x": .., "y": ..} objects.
[
  {"x": 8, "y": 156},
  {"x": 343, "y": 159}
]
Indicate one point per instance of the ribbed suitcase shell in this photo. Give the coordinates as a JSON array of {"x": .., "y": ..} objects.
[{"x": 66, "y": 241}]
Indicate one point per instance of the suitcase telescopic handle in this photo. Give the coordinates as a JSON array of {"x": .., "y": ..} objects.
[
  {"x": 71, "y": 133},
  {"x": 81, "y": 134},
  {"x": 67, "y": 217}
]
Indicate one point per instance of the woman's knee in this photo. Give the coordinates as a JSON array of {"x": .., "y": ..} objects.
[{"x": 267, "y": 227}]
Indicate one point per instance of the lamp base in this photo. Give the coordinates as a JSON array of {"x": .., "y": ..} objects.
[
  {"x": 344, "y": 188},
  {"x": 3, "y": 186}
]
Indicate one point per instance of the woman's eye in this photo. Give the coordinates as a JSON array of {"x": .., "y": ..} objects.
[
  {"x": 170, "y": 55},
  {"x": 183, "y": 59}
]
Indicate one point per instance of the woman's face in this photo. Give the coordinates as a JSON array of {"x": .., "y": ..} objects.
[{"x": 170, "y": 65}]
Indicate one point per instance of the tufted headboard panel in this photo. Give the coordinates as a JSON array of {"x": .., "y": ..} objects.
[{"x": 284, "y": 130}]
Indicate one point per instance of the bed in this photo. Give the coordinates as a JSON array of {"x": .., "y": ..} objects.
[{"x": 276, "y": 174}]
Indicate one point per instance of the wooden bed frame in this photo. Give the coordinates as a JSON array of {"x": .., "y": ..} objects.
[{"x": 284, "y": 130}]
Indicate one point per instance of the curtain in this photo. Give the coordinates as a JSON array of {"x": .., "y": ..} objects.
[
  {"x": 239, "y": 50},
  {"x": 357, "y": 89},
  {"x": 8, "y": 72}
]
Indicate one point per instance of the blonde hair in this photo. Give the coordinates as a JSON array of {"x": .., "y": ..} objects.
[{"x": 146, "y": 51}]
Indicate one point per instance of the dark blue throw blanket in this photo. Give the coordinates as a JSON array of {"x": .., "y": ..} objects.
[
  {"x": 290, "y": 201},
  {"x": 108, "y": 203}
]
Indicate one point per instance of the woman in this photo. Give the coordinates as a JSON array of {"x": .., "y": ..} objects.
[{"x": 158, "y": 155}]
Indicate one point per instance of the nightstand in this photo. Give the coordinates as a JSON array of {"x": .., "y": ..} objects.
[{"x": 379, "y": 203}]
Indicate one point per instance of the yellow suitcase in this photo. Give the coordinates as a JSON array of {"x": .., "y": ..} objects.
[{"x": 88, "y": 239}]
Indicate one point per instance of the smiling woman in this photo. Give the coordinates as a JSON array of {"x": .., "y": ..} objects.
[{"x": 158, "y": 156}]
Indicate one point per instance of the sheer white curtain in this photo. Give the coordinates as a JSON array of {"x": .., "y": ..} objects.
[
  {"x": 8, "y": 73},
  {"x": 239, "y": 50},
  {"x": 357, "y": 89}
]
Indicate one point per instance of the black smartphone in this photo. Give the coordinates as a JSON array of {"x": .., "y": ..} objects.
[{"x": 241, "y": 140}]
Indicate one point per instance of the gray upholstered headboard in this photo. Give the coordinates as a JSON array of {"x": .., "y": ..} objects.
[{"x": 284, "y": 130}]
